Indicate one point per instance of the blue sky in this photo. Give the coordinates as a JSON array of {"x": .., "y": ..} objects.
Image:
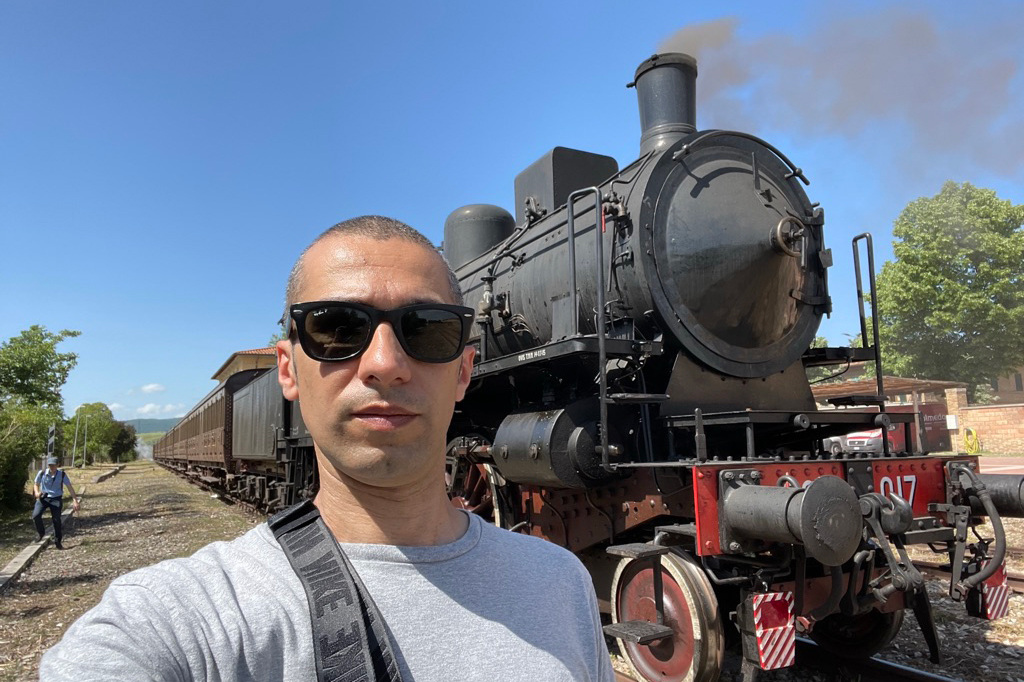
[{"x": 163, "y": 164}]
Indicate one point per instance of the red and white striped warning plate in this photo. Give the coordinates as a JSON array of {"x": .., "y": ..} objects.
[
  {"x": 775, "y": 629},
  {"x": 995, "y": 594}
]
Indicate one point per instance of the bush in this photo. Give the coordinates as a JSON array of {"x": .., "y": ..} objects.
[{"x": 22, "y": 439}]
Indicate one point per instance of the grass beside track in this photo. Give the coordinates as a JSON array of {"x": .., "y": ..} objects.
[{"x": 139, "y": 517}]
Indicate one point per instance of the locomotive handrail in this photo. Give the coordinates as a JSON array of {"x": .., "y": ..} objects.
[
  {"x": 866, "y": 237},
  {"x": 602, "y": 353},
  {"x": 795, "y": 171}
]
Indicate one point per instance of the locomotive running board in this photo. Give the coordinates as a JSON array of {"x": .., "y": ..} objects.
[{"x": 587, "y": 345}]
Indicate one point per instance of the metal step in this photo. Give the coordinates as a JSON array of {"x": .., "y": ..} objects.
[
  {"x": 636, "y": 550},
  {"x": 687, "y": 529},
  {"x": 638, "y": 631}
]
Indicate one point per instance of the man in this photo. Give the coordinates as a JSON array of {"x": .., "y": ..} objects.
[
  {"x": 49, "y": 491},
  {"x": 460, "y": 599}
]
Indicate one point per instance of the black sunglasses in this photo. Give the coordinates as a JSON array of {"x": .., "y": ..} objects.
[{"x": 331, "y": 331}]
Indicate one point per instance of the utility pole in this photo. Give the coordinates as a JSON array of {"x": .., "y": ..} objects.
[
  {"x": 85, "y": 442},
  {"x": 74, "y": 448}
]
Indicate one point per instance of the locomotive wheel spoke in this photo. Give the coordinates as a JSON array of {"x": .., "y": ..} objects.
[{"x": 694, "y": 652}]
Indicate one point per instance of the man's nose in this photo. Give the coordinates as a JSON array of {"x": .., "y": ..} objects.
[{"x": 384, "y": 360}]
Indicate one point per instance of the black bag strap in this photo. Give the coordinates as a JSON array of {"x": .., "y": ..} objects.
[{"x": 350, "y": 642}]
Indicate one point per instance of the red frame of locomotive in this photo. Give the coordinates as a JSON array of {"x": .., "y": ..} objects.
[{"x": 919, "y": 480}]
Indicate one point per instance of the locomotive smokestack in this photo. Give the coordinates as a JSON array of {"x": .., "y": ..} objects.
[{"x": 666, "y": 88}]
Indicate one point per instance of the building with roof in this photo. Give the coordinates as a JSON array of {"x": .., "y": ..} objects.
[
  {"x": 898, "y": 390},
  {"x": 257, "y": 358}
]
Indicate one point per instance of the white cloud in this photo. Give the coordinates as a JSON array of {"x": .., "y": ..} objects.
[
  {"x": 154, "y": 410},
  {"x": 153, "y": 388},
  {"x": 115, "y": 406}
]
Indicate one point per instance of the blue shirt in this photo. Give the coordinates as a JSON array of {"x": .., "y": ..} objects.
[{"x": 51, "y": 485}]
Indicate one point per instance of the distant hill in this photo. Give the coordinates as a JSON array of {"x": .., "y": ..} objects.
[
  {"x": 150, "y": 437},
  {"x": 152, "y": 425}
]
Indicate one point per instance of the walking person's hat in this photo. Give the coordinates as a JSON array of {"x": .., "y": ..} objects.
[{"x": 51, "y": 460}]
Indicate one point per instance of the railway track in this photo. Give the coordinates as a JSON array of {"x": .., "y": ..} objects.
[
  {"x": 809, "y": 656},
  {"x": 939, "y": 570},
  {"x": 212, "y": 485}
]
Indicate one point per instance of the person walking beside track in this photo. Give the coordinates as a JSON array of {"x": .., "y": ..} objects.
[
  {"x": 49, "y": 491},
  {"x": 379, "y": 577}
]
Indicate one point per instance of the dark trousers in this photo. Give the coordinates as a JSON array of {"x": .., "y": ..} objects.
[{"x": 54, "y": 505}]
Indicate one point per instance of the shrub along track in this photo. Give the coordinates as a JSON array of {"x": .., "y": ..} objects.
[{"x": 137, "y": 518}]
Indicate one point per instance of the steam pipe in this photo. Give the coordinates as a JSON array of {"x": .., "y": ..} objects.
[
  {"x": 980, "y": 491},
  {"x": 1007, "y": 493}
]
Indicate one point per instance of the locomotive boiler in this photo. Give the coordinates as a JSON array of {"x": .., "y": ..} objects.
[{"x": 640, "y": 397}]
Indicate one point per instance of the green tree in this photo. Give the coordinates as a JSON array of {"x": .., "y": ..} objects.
[
  {"x": 816, "y": 374},
  {"x": 952, "y": 302},
  {"x": 32, "y": 370},
  {"x": 123, "y": 447},
  {"x": 23, "y": 430},
  {"x": 829, "y": 374},
  {"x": 32, "y": 373},
  {"x": 865, "y": 370},
  {"x": 280, "y": 335},
  {"x": 97, "y": 430}
]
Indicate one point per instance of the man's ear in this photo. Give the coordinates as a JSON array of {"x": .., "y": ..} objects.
[
  {"x": 465, "y": 372},
  {"x": 286, "y": 374}
]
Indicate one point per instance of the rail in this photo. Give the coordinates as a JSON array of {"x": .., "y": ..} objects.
[
  {"x": 212, "y": 485},
  {"x": 809, "y": 656},
  {"x": 931, "y": 569}
]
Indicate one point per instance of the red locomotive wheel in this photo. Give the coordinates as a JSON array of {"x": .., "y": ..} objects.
[{"x": 694, "y": 652}]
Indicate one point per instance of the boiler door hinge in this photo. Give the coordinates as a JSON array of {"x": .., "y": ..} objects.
[{"x": 820, "y": 303}]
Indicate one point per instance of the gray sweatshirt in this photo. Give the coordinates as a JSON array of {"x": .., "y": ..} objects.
[{"x": 492, "y": 605}]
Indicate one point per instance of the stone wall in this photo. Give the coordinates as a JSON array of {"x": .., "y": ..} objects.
[{"x": 1000, "y": 428}]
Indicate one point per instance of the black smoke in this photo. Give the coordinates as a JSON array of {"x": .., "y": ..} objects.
[{"x": 931, "y": 90}]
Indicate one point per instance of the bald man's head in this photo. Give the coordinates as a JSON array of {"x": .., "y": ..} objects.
[{"x": 375, "y": 227}]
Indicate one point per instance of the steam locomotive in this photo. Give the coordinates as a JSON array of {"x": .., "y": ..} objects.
[{"x": 640, "y": 397}]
